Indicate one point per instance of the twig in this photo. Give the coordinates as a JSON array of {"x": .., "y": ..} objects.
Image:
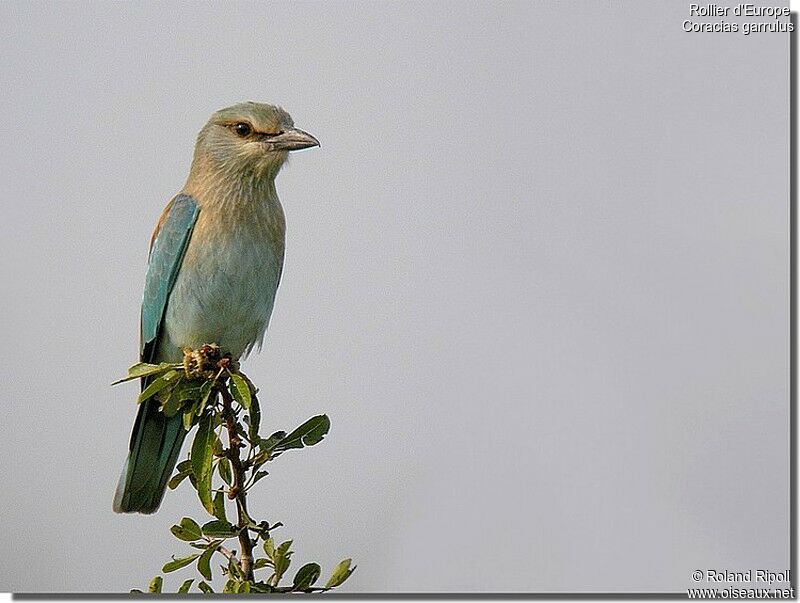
[
  {"x": 237, "y": 491},
  {"x": 228, "y": 554}
]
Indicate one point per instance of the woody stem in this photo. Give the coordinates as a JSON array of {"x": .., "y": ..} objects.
[{"x": 237, "y": 491}]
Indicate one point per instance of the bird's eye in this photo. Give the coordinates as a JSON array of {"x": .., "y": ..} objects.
[{"x": 243, "y": 129}]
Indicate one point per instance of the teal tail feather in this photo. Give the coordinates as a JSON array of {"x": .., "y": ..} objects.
[{"x": 155, "y": 445}]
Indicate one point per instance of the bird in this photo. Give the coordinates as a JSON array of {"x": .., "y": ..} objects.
[{"x": 215, "y": 261}]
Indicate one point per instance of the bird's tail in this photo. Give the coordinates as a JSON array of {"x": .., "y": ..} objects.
[{"x": 155, "y": 445}]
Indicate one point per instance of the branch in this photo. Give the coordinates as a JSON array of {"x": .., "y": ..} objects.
[
  {"x": 208, "y": 391},
  {"x": 237, "y": 491},
  {"x": 225, "y": 552}
]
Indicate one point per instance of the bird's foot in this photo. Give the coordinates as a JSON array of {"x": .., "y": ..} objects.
[{"x": 208, "y": 361}]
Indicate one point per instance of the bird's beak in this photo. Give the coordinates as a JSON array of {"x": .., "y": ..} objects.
[{"x": 293, "y": 140}]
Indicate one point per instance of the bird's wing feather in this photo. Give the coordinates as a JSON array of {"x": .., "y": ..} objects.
[
  {"x": 167, "y": 247},
  {"x": 156, "y": 439}
]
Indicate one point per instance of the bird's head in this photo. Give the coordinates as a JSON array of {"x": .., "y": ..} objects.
[{"x": 250, "y": 139}]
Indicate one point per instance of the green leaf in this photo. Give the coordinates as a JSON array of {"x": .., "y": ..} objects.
[
  {"x": 188, "y": 530},
  {"x": 230, "y": 587},
  {"x": 281, "y": 565},
  {"x": 219, "y": 507},
  {"x": 244, "y": 587},
  {"x": 269, "y": 548},
  {"x": 266, "y": 446},
  {"x": 171, "y": 405},
  {"x": 202, "y": 455},
  {"x": 216, "y": 446},
  {"x": 224, "y": 469},
  {"x": 156, "y": 386},
  {"x": 235, "y": 570},
  {"x": 178, "y": 563},
  {"x": 155, "y": 585},
  {"x": 204, "y": 587},
  {"x": 188, "y": 390},
  {"x": 219, "y": 528},
  {"x": 143, "y": 369},
  {"x": 240, "y": 391},
  {"x": 263, "y": 528},
  {"x": 261, "y": 458},
  {"x": 261, "y": 563},
  {"x": 183, "y": 470},
  {"x": 136, "y": 590},
  {"x": 340, "y": 573},
  {"x": 270, "y": 443},
  {"x": 259, "y": 476},
  {"x": 261, "y": 587},
  {"x": 204, "y": 563},
  {"x": 282, "y": 559},
  {"x": 255, "y": 419},
  {"x": 309, "y": 433},
  {"x": 206, "y": 390},
  {"x": 188, "y": 417},
  {"x": 202, "y": 448},
  {"x": 306, "y": 576},
  {"x": 283, "y": 549},
  {"x": 177, "y": 479},
  {"x": 184, "y": 588}
]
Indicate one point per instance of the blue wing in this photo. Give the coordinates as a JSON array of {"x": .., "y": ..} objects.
[
  {"x": 166, "y": 254},
  {"x": 156, "y": 439}
]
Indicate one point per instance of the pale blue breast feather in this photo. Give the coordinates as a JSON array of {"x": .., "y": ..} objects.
[{"x": 163, "y": 266}]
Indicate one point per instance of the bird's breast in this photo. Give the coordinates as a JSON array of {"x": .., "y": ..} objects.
[{"x": 225, "y": 290}]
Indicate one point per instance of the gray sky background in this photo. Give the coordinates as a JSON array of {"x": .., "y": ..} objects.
[{"x": 537, "y": 275}]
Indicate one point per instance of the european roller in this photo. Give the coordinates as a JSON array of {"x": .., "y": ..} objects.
[{"x": 215, "y": 262}]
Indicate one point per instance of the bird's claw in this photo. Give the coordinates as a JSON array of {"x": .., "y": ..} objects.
[{"x": 207, "y": 361}]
